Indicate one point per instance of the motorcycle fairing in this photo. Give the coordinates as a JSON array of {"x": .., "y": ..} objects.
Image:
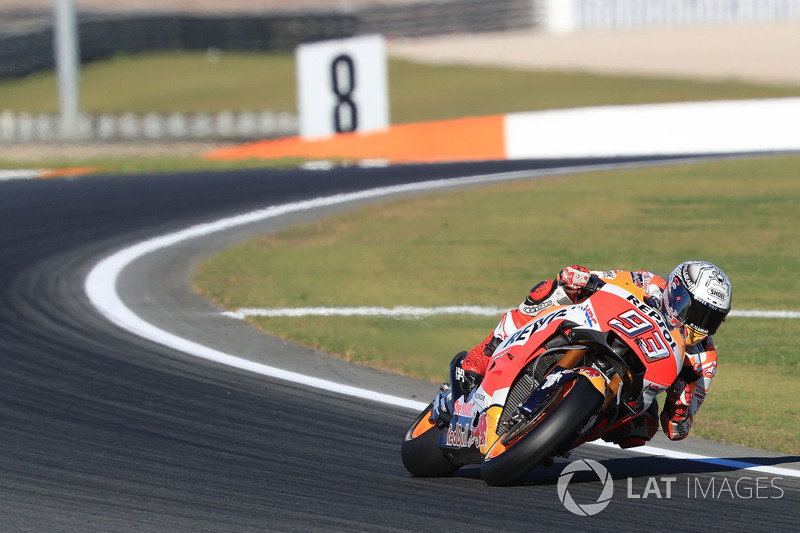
[{"x": 616, "y": 307}]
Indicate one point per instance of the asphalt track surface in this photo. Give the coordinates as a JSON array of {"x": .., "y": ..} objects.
[{"x": 103, "y": 430}]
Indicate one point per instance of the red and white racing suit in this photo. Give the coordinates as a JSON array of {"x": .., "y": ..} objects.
[{"x": 684, "y": 397}]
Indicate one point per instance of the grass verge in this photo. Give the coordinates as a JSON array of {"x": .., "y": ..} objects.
[
  {"x": 488, "y": 246},
  {"x": 198, "y": 82},
  {"x": 144, "y": 164}
]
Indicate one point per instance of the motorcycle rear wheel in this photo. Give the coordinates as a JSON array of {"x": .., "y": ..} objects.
[
  {"x": 420, "y": 451},
  {"x": 549, "y": 432}
]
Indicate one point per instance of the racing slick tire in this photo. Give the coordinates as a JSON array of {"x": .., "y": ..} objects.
[{"x": 420, "y": 450}]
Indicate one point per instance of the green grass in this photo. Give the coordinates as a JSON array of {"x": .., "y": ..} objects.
[
  {"x": 144, "y": 163},
  {"x": 193, "y": 82},
  {"x": 420, "y": 92},
  {"x": 488, "y": 246},
  {"x": 165, "y": 83}
]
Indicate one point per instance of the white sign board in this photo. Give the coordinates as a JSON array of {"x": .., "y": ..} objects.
[{"x": 342, "y": 86}]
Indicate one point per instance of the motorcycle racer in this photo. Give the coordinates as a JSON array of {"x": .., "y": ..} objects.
[{"x": 695, "y": 299}]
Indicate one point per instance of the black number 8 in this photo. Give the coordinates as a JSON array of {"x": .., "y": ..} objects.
[{"x": 344, "y": 102}]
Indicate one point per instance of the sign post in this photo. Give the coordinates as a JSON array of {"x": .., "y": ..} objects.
[
  {"x": 67, "y": 66},
  {"x": 342, "y": 86}
]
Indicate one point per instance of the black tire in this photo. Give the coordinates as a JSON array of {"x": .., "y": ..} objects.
[
  {"x": 421, "y": 454},
  {"x": 551, "y": 434}
]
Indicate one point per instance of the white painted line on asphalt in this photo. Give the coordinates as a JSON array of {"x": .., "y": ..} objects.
[
  {"x": 101, "y": 283},
  {"x": 101, "y": 286},
  {"x": 730, "y": 463},
  {"x": 411, "y": 312},
  {"x": 21, "y": 174},
  {"x": 404, "y": 312},
  {"x": 755, "y": 313}
]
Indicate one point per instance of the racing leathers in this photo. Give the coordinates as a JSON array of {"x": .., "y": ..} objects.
[{"x": 684, "y": 396}]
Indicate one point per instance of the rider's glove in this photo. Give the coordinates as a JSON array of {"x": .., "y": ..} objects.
[
  {"x": 654, "y": 297},
  {"x": 574, "y": 277}
]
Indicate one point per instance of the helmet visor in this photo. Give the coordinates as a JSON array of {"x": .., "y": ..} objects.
[
  {"x": 705, "y": 318},
  {"x": 677, "y": 302}
]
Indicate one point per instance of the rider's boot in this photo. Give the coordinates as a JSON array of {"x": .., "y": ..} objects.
[
  {"x": 462, "y": 382},
  {"x": 442, "y": 409}
]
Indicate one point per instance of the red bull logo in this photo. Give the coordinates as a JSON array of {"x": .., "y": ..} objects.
[
  {"x": 461, "y": 436},
  {"x": 478, "y": 435}
]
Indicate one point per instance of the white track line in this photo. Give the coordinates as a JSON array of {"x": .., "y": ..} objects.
[
  {"x": 765, "y": 314},
  {"x": 21, "y": 174},
  {"x": 407, "y": 312},
  {"x": 101, "y": 288},
  {"x": 730, "y": 463},
  {"x": 101, "y": 283},
  {"x": 410, "y": 312}
]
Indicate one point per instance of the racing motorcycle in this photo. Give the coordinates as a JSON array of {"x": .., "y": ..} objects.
[{"x": 572, "y": 374}]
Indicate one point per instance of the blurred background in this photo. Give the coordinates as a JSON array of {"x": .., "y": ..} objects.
[
  {"x": 177, "y": 70},
  {"x": 30, "y": 38}
]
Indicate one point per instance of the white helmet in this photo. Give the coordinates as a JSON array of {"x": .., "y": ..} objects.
[{"x": 697, "y": 297}]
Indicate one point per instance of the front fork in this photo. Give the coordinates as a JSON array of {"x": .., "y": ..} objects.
[
  {"x": 564, "y": 370},
  {"x": 609, "y": 387}
]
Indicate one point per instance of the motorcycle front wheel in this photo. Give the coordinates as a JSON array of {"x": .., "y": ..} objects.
[
  {"x": 549, "y": 431},
  {"x": 420, "y": 451}
]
